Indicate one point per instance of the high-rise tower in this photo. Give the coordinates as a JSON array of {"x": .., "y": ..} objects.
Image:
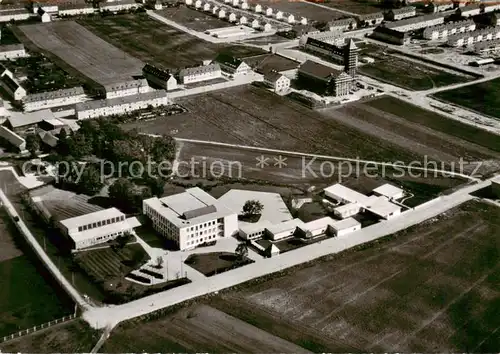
[{"x": 351, "y": 57}]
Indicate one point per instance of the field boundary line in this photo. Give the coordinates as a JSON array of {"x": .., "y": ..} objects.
[{"x": 325, "y": 157}]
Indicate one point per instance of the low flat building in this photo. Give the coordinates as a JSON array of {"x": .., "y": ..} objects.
[
  {"x": 12, "y": 51},
  {"x": 344, "y": 195},
  {"x": 382, "y": 207},
  {"x": 14, "y": 15},
  {"x": 191, "y": 218},
  {"x": 13, "y": 139},
  {"x": 470, "y": 10},
  {"x": 126, "y": 88},
  {"x": 390, "y": 35},
  {"x": 347, "y": 210},
  {"x": 400, "y": 14},
  {"x": 440, "y": 6},
  {"x": 116, "y": 6},
  {"x": 95, "y": 228},
  {"x": 316, "y": 227},
  {"x": 75, "y": 9},
  {"x": 324, "y": 80},
  {"x": 232, "y": 65},
  {"x": 121, "y": 105},
  {"x": 278, "y": 82},
  {"x": 200, "y": 73},
  {"x": 448, "y": 29},
  {"x": 373, "y": 19},
  {"x": 283, "y": 230},
  {"x": 23, "y": 122},
  {"x": 44, "y": 100},
  {"x": 160, "y": 77},
  {"x": 12, "y": 87},
  {"x": 345, "y": 227},
  {"x": 254, "y": 231},
  {"x": 389, "y": 191}
]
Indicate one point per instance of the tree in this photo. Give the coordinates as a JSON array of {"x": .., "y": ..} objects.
[
  {"x": 159, "y": 262},
  {"x": 122, "y": 191},
  {"x": 156, "y": 185},
  {"x": 241, "y": 250},
  {"x": 90, "y": 182},
  {"x": 252, "y": 207},
  {"x": 32, "y": 144}
]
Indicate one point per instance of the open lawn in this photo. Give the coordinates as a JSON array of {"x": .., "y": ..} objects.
[
  {"x": 437, "y": 137},
  {"x": 359, "y": 7},
  {"x": 72, "y": 337},
  {"x": 408, "y": 73},
  {"x": 460, "y": 131},
  {"x": 483, "y": 97},
  {"x": 197, "y": 20},
  {"x": 158, "y": 43},
  {"x": 29, "y": 295},
  {"x": 84, "y": 51},
  {"x": 253, "y": 116},
  {"x": 431, "y": 288},
  {"x": 301, "y": 9}
]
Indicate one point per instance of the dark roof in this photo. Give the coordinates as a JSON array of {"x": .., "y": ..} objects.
[
  {"x": 10, "y": 83},
  {"x": 324, "y": 45},
  {"x": 390, "y": 31},
  {"x": 191, "y": 214},
  {"x": 272, "y": 76},
  {"x": 315, "y": 69},
  {"x": 228, "y": 60},
  {"x": 199, "y": 70},
  {"x": 159, "y": 73}
]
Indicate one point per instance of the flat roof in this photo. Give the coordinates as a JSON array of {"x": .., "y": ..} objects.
[
  {"x": 95, "y": 104},
  {"x": 100, "y": 231},
  {"x": 347, "y": 206},
  {"x": 346, "y": 193},
  {"x": 381, "y": 206},
  {"x": 249, "y": 228},
  {"x": 91, "y": 217},
  {"x": 18, "y": 119},
  {"x": 318, "y": 223},
  {"x": 346, "y": 224},
  {"x": 388, "y": 190},
  {"x": 285, "y": 226}
]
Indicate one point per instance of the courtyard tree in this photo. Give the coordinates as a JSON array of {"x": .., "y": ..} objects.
[
  {"x": 90, "y": 182},
  {"x": 252, "y": 208},
  {"x": 33, "y": 144},
  {"x": 241, "y": 251},
  {"x": 159, "y": 262}
]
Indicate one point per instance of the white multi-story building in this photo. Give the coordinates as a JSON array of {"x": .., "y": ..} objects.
[
  {"x": 116, "y": 6},
  {"x": 191, "y": 218},
  {"x": 159, "y": 77},
  {"x": 75, "y": 9},
  {"x": 95, "y": 228},
  {"x": 64, "y": 97},
  {"x": 13, "y": 88},
  {"x": 415, "y": 23},
  {"x": 232, "y": 65},
  {"x": 373, "y": 19},
  {"x": 14, "y": 15},
  {"x": 344, "y": 24},
  {"x": 280, "y": 83},
  {"x": 121, "y": 105},
  {"x": 471, "y": 38},
  {"x": 402, "y": 13},
  {"x": 12, "y": 51},
  {"x": 200, "y": 73},
  {"x": 443, "y": 31},
  {"x": 127, "y": 88}
]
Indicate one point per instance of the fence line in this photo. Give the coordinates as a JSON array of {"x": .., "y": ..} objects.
[{"x": 38, "y": 328}]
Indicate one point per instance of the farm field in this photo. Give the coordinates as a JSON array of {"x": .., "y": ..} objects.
[
  {"x": 268, "y": 62},
  {"x": 482, "y": 97},
  {"x": 436, "y": 122},
  {"x": 196, "y": 20},
  {"x": 379, "y": 117},
  {"x": 302, "y": 9},
  {"x": 360, "y": 7},
  {"x": 199, "y": 328},
  {"x": 84, "y": 51},
  {"x": 433, "y": 287},
  {"x": 29, "y": 295},
  {"x": 407, "y": 73},
  {"x": 158, "y": 43},
  {"x": 72, "y": 337},
  {"x": 253, "y": 116}
]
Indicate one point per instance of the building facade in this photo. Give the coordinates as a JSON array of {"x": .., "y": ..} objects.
[
  {"x": 200, "y": 73},
  {"x": 14, "y": 15},
  {"x": 12, "y": 87},
  {"x": 471, "y": 38},
  {"x": 280, "y": 83},
  {"x": 373, "y": 19},
  {"x": 159, "y": 77},
  {"x": 12, "y": 51},
  {"x": 232, "y": 65},
  {"x": 75, "y": 9},
  {"x": 37, "y": 101},
  {"x": 401, "y": 14},
  {"x": 126, "y": 88},
  {"x": 191, "y": 218},
  {"x": 323, "y": 79},
  {"x": 344, "y": 24},
  {"x": 443, "y": 31},
  {"x": 390, "y": 35}
]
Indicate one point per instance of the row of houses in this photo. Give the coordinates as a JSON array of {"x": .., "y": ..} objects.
[
  {"x": 448, "y": 29},
  {"x": 121, "y": 105},
  {"x": 470, "y": 38},
  {"x": 233, "y": 17},
  {"x": 44, "y": 100},
  {"x": 486, "y": 47}
]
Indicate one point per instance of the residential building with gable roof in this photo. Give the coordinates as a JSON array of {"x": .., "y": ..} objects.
[
  {"x": 159, "y": 77},
  {"x": 200, "y": 73},
  {"x": 13, "y": 88},
  {"x": 63, "y": 97},
  {"x": 231, "y": 64},
  {"x": 126, "y": 88},
  {"x": 279, "y": 82},
  {"x": 323, "y": 79},
  {"x": 400, "y": 14}
]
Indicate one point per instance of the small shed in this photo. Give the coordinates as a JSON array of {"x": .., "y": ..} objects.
[
  {"x": 255, "y": 24},
  {"x": 268, "y": 27},
  {"x": 243, "y": 20},
  {"x": 258, "y": 8},
  {"x": 232, "y": 17}
]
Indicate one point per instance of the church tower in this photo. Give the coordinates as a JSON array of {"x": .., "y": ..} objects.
[{"x": 351, "y": 57}]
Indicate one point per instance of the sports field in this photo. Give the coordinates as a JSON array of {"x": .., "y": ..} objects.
[
  {"x": 157, "y": 43},
  {"x": 431, "y": 288},
  {"x": 84, "y": 51},
  {"x": 483, "y": 97}
]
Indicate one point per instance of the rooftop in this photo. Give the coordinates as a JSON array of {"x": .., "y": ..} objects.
[
  {"x": 285, "y": 226},
  {"x": 126, "y": 85},
  {"x": 419, "y": 19},
  {"x": 318, "y": 223},
  {"x": 228, "y": 60},
  {"x": 346, "y": 223},
  {"x": 381, "y": 206},
  {"x": 95, "y": 104},
  {"x": 53, "y": 95},
  {"x": 18, "y": 119},
  {"x": 272, "y": 76},
  {"x": 102, "y": 230},
  {"x": 388, "y": 190},
  {"x": 346, "y": 193},
  {"x": 10, "y": 82},
  {"x": 90, "y": 218},
  {"x": 403, "y": 10},
  {"x": 315, "y": 69},
  {"x": 161, "y": 73},
  {"x": 199, "y": 70}
]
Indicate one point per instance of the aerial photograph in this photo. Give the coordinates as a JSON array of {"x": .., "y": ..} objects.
[{"x": 249, "y": 176}]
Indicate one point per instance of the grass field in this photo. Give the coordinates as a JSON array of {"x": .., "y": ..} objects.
[
  {"x": 434, "y": 121},
  {"x": 193, "y": 19},
  {"x": 71, "y": 337},
  {"x": 253, "y": 116},
  {"x": 84, "y": 51},
  {"x": 433, "y": 287},
  {"x": 157, "y": 43},
  {"x": 29, "y": 295},
  {"x": 407, "y": 73},
  {"x": 359, "y": 7},
  {"x": 483, "y": 97}
]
